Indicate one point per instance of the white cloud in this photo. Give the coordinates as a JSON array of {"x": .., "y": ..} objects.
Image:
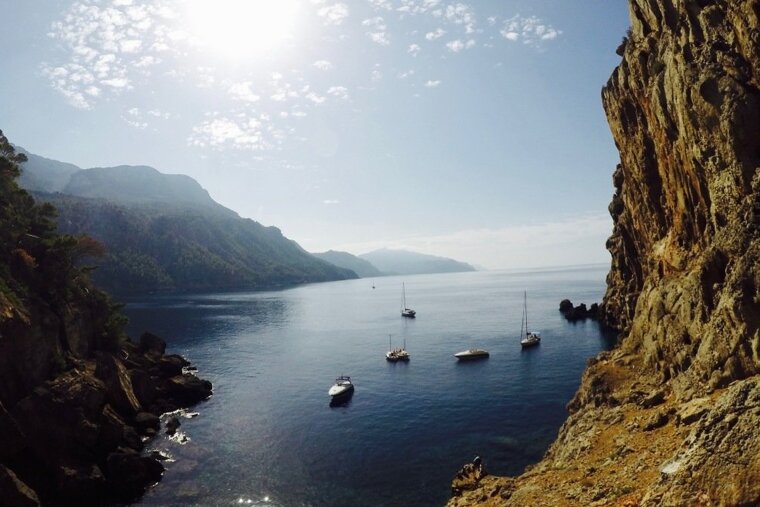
[
  {"x": 333, "y": 14},
  {"x": 322, "y": 65},
  {"x": 105, "y": 46},
  {"x": 528, "y": 30},
  {"x": 317, "y": 99},
  {"x": 406, "y": 74},
  {"x": 461, "y": 14},
  {"x": 243, "y": 91},
  {"x": 340, "y": 92},
  {"x": 417, "y": 6},
  {"x": 435, "y": 34},
  {"x": 382, "y": 4},
  {"x": 377, "y": 33},
  {"x": 243, "y": 132},
  {"x": 414, "y": 49},
  {"x": 432, "y": 83},
  {"x": 330, "y": 201},
  {"x": 455, "y": 46}
]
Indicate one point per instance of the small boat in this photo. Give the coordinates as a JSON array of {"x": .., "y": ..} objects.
[
  {"x": 396, "y": 354},
  {"x": 406, "y": 311},
  {"x": 527, "y": 338},
  {"x": 471, "y": 354},
  {"x": 341, "y": 387}
]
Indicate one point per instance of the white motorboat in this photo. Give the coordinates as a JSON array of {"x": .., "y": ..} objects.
[
  {"x": 341, "y": 387},
  {"x": 527, "y": 338},
  {"x": 472, "y": 354}
]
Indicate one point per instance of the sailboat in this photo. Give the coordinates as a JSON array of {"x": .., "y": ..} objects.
[
  {"x": 406, "y": 311},
  {"x": 527, "y": 338},
  {"x": 396, "y": 354}
]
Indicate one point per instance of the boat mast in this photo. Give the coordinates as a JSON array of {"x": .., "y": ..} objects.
[
  {"x": 403, "y": 292},
  {"x": 525, "y": 304}
]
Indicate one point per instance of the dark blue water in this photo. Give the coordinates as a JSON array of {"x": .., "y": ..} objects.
[{"x": 269, "y": 436}]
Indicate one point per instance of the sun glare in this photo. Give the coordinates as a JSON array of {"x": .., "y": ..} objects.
[{"x": 237, "y": 29}]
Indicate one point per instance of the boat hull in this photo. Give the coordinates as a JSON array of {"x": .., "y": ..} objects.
[{"x": 471, "y": 355}]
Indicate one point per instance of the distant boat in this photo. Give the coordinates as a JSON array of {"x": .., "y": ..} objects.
[
  {"x": 527, "y": 338},
  {"x": 469, "y": 354},
  {"x": 341, "y": 387},
  {"x": 406, "y": 311},
  {"x": 396, "y": 354}
]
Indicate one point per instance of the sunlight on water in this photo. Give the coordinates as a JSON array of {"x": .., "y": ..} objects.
[{"x": 271, "y": 428}]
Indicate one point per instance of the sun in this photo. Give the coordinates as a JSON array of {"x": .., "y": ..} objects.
[{"x": 238, "y": 29}]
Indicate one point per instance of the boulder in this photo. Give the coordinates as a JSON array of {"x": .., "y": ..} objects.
[
  {"x": 145, "y": 421},
  {"x": 188, "y": 389},
  {"x": 79, "y": 482},
  {"x": 129, "y": 474},
  {"x": 14, "y": 492},
  {"x": 150, "y": 343},
  {"x": 118, "y": 384},
  {"x": 172, "y": 425},
  {"x": 171, "y": 365}
]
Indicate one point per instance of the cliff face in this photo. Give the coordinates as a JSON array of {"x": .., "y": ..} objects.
[
  {"x": 78, "y": 399},
  {"x": 670, "y": 417}
]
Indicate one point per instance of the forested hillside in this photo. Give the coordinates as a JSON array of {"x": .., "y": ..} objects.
[{"x": 165, "y": 233}]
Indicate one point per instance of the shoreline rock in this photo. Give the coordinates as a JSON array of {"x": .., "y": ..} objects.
[
  {"x": 580, "y": 312},
  {"x": 79, "y": 437}
]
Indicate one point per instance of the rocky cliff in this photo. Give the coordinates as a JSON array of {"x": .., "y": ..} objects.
[
  {"x": 78, "y": 399},
  {"x": 670, "y": 417}
]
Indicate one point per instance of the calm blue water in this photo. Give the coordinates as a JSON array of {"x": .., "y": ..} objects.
[{"x": 269, "y": 436}]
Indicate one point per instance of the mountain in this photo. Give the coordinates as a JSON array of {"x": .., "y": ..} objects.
[
  {"x": 402, "y": 262},
  {"x": 44, "y": 174},
  {"x": 671, "y": 416},
  {"x": 165, "y": 233},
  {"x": 346, "y": 260},
  {"x": 140, "y": 185}
]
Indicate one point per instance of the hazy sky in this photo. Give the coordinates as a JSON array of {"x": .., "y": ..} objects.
[{"x": 467, "y": 129}]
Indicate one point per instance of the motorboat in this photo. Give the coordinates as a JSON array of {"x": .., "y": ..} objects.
[
  {"x": 471, "y": 354},
  {"x": 341, "y": 387}
]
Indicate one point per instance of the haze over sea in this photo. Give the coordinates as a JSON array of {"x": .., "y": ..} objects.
[{"x": 269, "y": 436}]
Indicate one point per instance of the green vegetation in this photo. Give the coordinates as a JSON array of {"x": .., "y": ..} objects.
[
  {"x": 164, "y": 232},
  {"x": 42, "y": 272},
  {"x": 169, "y": 247}
]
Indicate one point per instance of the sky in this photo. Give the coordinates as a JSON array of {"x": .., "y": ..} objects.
[{"x": 472, "y": 130}]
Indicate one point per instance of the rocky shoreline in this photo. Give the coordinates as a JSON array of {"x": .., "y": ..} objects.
[
  {"x": 670, "y": 417},
  {"x": 79, "y": 438}
]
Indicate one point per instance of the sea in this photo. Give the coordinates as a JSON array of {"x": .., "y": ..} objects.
[{"x": 269, "y": 436}]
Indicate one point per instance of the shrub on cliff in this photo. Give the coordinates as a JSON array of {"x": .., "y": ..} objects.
[{"x": 46, "y": 298}]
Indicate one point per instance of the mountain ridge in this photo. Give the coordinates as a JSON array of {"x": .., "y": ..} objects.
[
  {"x": 171, "y": 236},
  {"x": 405, "y": 262}
]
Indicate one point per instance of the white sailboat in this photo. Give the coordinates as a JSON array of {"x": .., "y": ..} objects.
[
  {"x": 527, "y": 338},
  {"x": 405, "y": 310},
  {"x": 397, "y": 354}
]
